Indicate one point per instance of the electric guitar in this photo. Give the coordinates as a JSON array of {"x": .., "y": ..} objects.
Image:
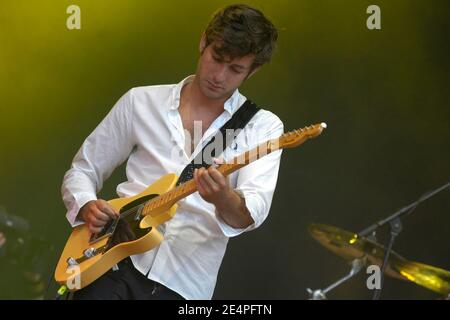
[{"x": 87, "y": 256}]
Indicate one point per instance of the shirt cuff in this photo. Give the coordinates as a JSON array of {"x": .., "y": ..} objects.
[
  {"x": 80, "y": 199},
  {"x": 228, "y": 230}
]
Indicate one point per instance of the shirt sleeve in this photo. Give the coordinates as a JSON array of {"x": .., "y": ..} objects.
[
  {"x": 256, "y": 182},
  {"x": 106, "y": 148}
]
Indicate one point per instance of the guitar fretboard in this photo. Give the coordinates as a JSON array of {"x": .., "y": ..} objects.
[{"x": 166, "y": 200}]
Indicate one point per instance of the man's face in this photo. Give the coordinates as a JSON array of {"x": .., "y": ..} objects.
[{"x": 218, "y": 76}]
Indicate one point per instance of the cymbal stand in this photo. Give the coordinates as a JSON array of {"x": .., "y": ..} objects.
[
  {"x": 395, "y": 225},
  {"x": 318, "y": 294}
]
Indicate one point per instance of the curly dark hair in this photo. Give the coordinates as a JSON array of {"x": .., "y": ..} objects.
[{"x": 239, "y": 30}]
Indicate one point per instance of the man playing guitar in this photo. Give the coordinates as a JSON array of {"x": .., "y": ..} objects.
[{"x": 159, "y": 129}]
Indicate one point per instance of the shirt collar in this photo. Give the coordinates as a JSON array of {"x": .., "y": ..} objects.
[{"x": 230, "y": 106}]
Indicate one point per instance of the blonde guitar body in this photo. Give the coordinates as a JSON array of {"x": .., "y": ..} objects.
[{"x": 90, "y": 259}]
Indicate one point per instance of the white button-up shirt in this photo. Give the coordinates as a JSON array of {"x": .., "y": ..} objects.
[{"x": 145, "y": 127}]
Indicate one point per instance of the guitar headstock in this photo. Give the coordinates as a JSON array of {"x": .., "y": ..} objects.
[{"x": 294, "y": 138}]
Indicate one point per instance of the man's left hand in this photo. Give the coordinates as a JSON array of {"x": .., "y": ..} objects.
[{"x": 212, "y": 185}]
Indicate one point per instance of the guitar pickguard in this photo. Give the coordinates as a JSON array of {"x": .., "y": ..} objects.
[{"x": 127, "y": 227}]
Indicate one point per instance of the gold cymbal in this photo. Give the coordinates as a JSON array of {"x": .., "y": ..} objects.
[
  {"x": 430, "y": 277},
  {"x": 349, "y": 246}
]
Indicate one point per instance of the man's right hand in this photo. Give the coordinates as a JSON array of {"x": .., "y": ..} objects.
[{"x": 96, "y": 214}]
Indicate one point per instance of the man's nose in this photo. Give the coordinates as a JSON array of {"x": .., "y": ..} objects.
[{"x": 219, "y": 74}]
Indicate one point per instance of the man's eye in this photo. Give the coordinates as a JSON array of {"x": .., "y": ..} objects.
[{"x": 236, "y": 70}]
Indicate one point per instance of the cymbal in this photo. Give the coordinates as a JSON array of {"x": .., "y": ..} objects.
[
  {"x": 430, "y": 277},
  {"x": 350, "y": 246}
]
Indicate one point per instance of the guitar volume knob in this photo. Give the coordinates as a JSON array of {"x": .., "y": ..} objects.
[
  {"x": 72, "y": 262},
  {"x": 89, "y": 253}
]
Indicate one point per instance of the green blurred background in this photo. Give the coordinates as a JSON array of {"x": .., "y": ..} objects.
[{"x": 383, "y": 93}]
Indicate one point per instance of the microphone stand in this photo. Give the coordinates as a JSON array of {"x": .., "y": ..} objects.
[{"x": 395, "y": 225}]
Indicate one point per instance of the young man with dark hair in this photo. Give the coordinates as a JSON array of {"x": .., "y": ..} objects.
[{"x": 152, "y": 127}]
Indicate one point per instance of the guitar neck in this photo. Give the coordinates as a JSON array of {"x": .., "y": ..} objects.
[
  {"x": 287, "y": 140},
  {"x": 182, "y": 191}
]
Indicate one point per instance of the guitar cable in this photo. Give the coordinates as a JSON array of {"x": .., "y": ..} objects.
[{"x": 62, "y": 289}]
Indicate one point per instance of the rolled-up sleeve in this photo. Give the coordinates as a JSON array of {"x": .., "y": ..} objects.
[
  {"x": 106, "y": 148},
  {"x": 256, "y": 182}
]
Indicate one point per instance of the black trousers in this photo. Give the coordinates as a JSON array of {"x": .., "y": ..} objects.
[{"x": 127, "y": 283}]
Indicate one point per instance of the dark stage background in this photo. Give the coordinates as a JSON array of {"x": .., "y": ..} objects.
[{"x": 383, "y": 93}]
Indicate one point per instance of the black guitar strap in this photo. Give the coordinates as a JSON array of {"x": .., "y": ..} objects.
[{"x": 204, "y": 158}]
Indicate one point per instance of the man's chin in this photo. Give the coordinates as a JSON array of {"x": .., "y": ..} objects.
[{"x": 213, "y": 94}]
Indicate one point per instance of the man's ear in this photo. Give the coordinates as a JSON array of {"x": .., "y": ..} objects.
[{"x": 202, "y": 45}]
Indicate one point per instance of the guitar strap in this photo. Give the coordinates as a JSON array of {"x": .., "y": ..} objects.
[{"x": 204, "y": 158}]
